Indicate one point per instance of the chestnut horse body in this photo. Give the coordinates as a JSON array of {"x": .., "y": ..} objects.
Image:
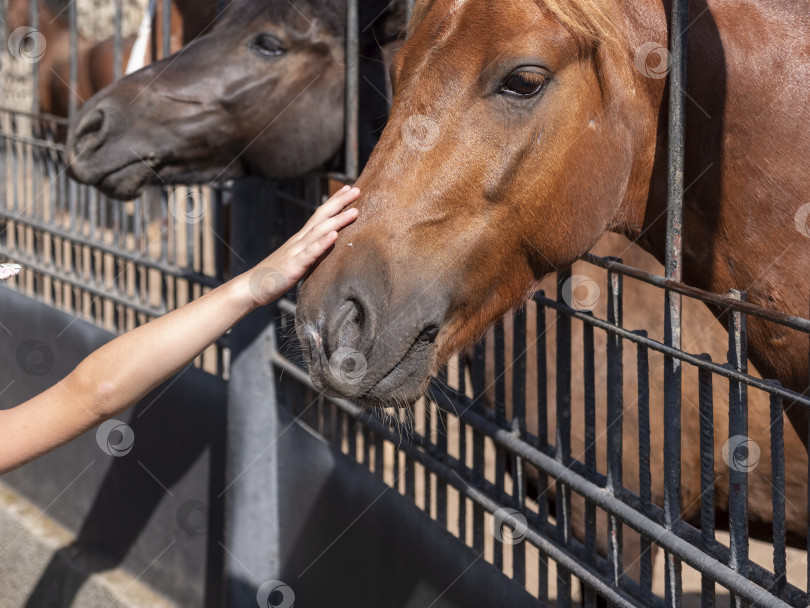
[{"x": 521, "y": 132}]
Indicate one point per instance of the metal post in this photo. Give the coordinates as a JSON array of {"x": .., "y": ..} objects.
[
  {"x": 777, "y": 495},
  {"x": 352, "y": 86},
  {"x": 615, "y": 401},
  {"x": 33, "y": 7},
  {"x": 166, "y": 15},
  {"x": 542, "y": 440},
  {"x": 589, "y": 377},
  {"x": 563, "y": 443},
  {"x": 644, "y": 478},
  {"x": 706, "y": 413},
  {"x": 674, "y": 270},
  {"x": 738, "y": 441},
  {"x": 74, "y": 59}
]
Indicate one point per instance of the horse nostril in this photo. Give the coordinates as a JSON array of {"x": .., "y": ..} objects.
[
  {"x": 351, "y": 327},
  {"x": 88, "y": 132}
]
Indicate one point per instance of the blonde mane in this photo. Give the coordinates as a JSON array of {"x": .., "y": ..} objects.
[{"x": 588, "y": 20}]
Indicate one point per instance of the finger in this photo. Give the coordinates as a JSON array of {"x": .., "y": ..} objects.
[
  {"x": 334, "y": 223},
  {"x": 313, "y": 251},
  {"x": 332, "y": 207}
]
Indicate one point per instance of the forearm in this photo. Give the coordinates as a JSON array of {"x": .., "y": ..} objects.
[
  {"x": 124, "y": 370},
  {"x": 118, "y": 374}
]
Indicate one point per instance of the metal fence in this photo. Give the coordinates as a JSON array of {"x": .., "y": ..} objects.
[{"x": 465, "y": 456}]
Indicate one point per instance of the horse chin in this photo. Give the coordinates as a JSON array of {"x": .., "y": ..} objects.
[
  {"x": 380, "y": 385},
  {"x": 127, "y": 182}
]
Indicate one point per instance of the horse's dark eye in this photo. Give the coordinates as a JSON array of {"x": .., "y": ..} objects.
[
  {"x": 523, "y": 84},
  {"x": 267, "y": 45}
]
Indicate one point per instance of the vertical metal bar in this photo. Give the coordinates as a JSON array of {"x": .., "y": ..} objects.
[
  {"x": 542, "y": 440},
  {"x": 673, "y": 268},
  {"x": 644, "y": 479},
  {"x": 589, "y": 376},
  {"x": 352, "y": 88},
  {"x": 74, "y": 59},
  {"x": 479, "y": 379},
  {"x": 563, "y": 443},
  {"x": 500, "y": 420},
  {"x": 706, "y": 414},
  {"x": 166, "y": 16},
  {"x": 672, "y": 313},
  {"x": 738, "y": 444},
  {"x": 462, "y": 450},
  {"x": 615, "y": 406},
  {"x": 778, "y": 495},
  {"x": 33, "y": 7},
  {"x": 441, "y": 448},
  {"x": 118, "y": 52},
  {"x": 428, "y": 435},
  {"x": 519, "y": 429}
]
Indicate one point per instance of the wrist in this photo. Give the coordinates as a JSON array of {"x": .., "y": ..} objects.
[{"x": 239, "y": 293}]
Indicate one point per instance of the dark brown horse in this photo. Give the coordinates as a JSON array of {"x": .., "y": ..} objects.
[
  {"x": 261, "y": 94},
  {"x": 521, "y": 132}
]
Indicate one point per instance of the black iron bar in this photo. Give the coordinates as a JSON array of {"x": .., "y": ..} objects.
[
  {"x": 738, "y": 446},
  {"x": 542, "y": 440},
  {"x": 589, "y": 596},
  {"x": 563, "y": 442},
  {"x": 352, "y": 90},
  {"x": 706, "y": 414},
  {"x": 795, "y": 398},
  {"x": 644, "y": 480},
  {"x": 667, "y": 539},
  {"x": 615, "y": 405},
  {"x": 518, "y": 426},
  {"x": 777, "y": 495},
  {"x": 707, "y": 297}
]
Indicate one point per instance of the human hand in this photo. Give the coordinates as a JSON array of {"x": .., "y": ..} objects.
[
  {"x": 9, "y": 270},
  {"x": 283, "y": 268}
]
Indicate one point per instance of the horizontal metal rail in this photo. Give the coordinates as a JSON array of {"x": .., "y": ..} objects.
[
  {"x": 33, "y": 142},
  {"x": 42, "y": 117},
  {"x": 554, "y": 551},
  {"x": 707, "y": 297},
  {"x": 721, "y": 370},
  {"x": 669, "y": 541},
  {"x": 133, "y": 256}
]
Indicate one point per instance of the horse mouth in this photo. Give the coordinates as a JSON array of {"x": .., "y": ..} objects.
[
  {"x": 375, "y": 383},
  {"x": 129, "y": 180}
]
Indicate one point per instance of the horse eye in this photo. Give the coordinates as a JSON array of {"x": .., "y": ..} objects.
[
  {"x": 267, "y": 45},
  {"x": 523, "y": 84}
]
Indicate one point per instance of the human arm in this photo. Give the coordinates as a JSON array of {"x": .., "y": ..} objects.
[{"x": 121, "y": 372}]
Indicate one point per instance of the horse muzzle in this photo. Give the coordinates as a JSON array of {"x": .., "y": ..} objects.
[{"x": 363, "y": 344}]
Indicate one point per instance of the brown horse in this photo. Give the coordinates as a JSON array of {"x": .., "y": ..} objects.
[
  {"x": 95, "y": 61},
  {"x": 261, "y": 94},
  {"x": 521, "y": 131}
]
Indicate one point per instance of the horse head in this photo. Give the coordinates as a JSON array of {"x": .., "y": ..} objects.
[
  {"x": 520, "y": 132},
  {"x": 260, "y": 94}
]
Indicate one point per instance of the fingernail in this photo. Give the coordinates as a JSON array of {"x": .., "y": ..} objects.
[
  {"x": 355, "y": 189},
  {"x": 344, "y": 188}
]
